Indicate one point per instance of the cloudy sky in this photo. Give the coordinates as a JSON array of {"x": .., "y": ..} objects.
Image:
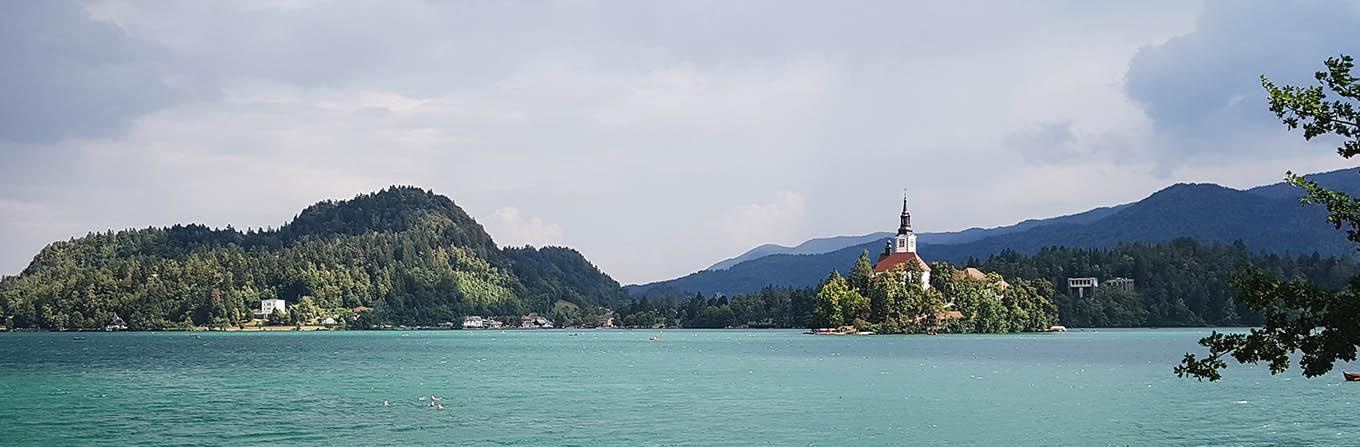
[{"x": 655, "y": 137}]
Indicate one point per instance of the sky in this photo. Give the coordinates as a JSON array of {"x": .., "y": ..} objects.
[{"x": 655, "y": 137}]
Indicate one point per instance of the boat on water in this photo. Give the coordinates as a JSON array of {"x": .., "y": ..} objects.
[
  {"x": 1351, "y": 376},
  {"x": 78, "y": 338},
  {"x": 656, "y": 338}
]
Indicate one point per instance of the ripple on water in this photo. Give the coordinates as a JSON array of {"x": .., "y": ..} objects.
[{"x": 616, "y": 388}]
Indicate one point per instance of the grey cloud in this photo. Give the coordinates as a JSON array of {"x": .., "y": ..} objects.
[
  {"x": 63, "y": 74},
  {"x": 1046, "y": 143},
  {"x": 1202, "y": 90}
]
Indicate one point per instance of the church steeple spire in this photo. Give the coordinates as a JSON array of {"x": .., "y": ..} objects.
[
  {"x": 905, "y": 227},
  {"x": 906, "y": 239}
]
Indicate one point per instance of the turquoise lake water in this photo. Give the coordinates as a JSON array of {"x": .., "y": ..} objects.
[{"x": 691, "y": 388}]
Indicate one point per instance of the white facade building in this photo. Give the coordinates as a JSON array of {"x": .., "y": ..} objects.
[
  {"x": 1124, "y": 284},
  {"x": 269, "y": 306},
  {"x": 1079, "y": 286}
]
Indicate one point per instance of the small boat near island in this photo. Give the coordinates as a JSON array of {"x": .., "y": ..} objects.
[
  {"x": 1351, "y": 376},
  {"x": 78, "y": 338}
]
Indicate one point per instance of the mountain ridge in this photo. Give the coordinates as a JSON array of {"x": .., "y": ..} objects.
[
  {"x": 1267, "y": 218},
  {"x": 833, "y": 243}
]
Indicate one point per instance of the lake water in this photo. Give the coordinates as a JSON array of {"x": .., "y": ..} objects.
[{"x": 691, "y": 388}]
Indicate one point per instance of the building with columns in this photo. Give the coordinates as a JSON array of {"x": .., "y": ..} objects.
[{"x": 901, "y": 250}]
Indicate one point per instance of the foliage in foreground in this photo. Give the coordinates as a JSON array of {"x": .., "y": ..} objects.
[{"x": 1321, "y": 324}]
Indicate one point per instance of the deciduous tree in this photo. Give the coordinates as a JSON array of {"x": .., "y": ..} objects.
[{"x": 1321, "y": 325}]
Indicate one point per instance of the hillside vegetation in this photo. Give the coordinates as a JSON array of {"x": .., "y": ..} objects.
[{"x": 409, "y": 255}]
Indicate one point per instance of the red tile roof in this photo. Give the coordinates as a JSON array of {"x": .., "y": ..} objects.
[
  {"x": 971, "y": 273},
  {"x": 887, "y": 263},
  {"x": 949, "y": 315}
]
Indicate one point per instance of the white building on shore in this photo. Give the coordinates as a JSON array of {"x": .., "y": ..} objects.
[{"x": 269, "y": 306}]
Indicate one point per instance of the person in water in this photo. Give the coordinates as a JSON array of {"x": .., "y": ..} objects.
[{"x": 386, "y": 403}]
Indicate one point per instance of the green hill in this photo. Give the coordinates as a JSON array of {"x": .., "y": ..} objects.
[{"x": 412, "y": 256}]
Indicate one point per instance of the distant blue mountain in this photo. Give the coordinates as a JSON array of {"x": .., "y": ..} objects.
[
  {"x": 811, "y": 247},
  {"x": 1267, "y": 218},
  {"x": 1344, "y": 180},
  {"x": 830, "y": 244}
]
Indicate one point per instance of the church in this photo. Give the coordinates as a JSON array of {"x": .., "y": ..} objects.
[{"x": 901, "y": 250}]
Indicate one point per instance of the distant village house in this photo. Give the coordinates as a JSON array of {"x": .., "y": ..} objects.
[
  {"x": 271, "y": 305},
  {"x": 1080, "y": 287},
  {"x": 479, "y": 322},
  {"x": 1124, "y": 284},
  {"x": 534, "y": 321},
  {"x": 116, "y": 324}
]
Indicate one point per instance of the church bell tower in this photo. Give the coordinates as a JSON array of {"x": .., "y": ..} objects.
[{"x": 906, "y": 239}]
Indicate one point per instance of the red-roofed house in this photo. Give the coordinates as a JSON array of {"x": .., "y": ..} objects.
[{"x": 902, "y": 251}]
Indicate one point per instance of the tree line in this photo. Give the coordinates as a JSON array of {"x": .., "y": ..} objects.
[{"x": 1177, "y": 283}]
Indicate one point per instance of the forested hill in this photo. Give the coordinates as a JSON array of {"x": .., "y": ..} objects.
[
  {"x": 392, "y": 210},
  {"x": 1268, "y": 219},
  {"x": 411, "y": 256}
]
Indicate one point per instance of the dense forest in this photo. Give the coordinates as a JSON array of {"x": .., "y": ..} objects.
[
  {"x": 1178, "y": 283},
  {"x": 399, "y": 256},
  {"x": 772, "y": 307}
]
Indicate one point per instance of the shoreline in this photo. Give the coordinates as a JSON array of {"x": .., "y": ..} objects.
[{"x": 317, "y": 328}]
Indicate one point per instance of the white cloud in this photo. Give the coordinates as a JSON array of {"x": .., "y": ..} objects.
[
  {"x": 509, "y": 227},
  {"x": 778, "y": 221}
]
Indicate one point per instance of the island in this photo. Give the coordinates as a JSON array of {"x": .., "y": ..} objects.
[{"x": 898, "y": 294}]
